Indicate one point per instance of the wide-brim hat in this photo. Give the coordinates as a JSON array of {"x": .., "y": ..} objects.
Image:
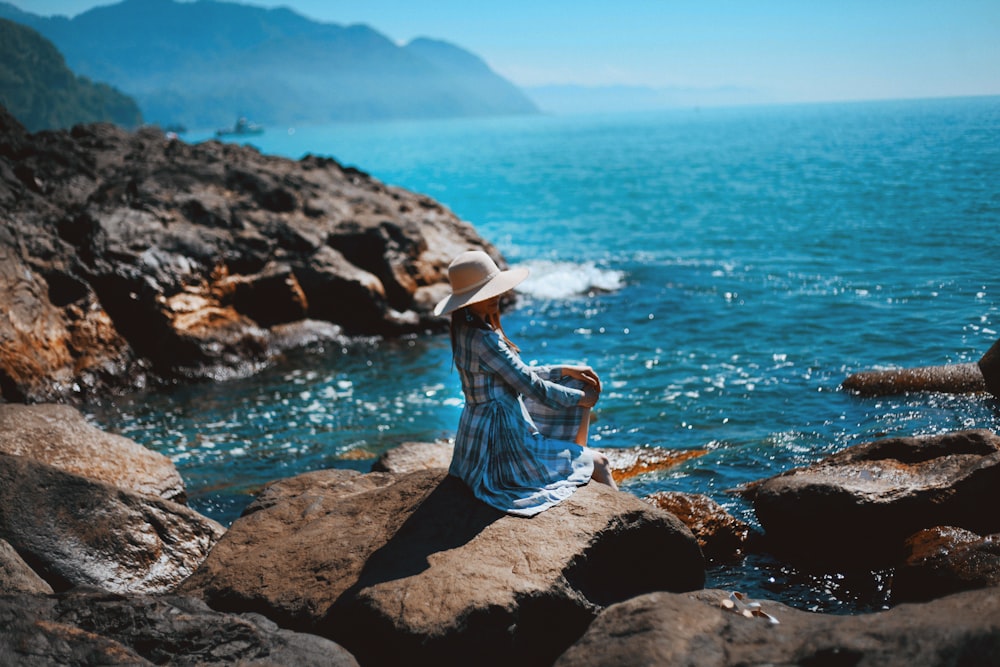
[{"x": 475, "y": 277}]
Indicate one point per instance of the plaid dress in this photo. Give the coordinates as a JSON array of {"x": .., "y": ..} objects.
[{"x": 514, "y": 444}]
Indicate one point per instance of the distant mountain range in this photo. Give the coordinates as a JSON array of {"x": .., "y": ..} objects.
[
  {"x": 39, "y": 90},
  {"x": 202, "y": 64}
]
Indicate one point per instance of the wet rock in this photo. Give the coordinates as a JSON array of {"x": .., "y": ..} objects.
[
  {"x": 989, "y": 366},
  {"x": 946, "y": 560},
  {"x": 93, "y": 627},
  {"x": 76, "y": 531},
  {"x": 695, "y": 629},
  {"x": 413, "y": 569},
  {"x": 130, "y": 258},
  {"x": 858, "y": 506},
  {"x": 629, "y": 462},
  {"x": 60, "y": 436},
  {"x": 16, "y": 576},
  {"x": 722, "y": 537},
  {"x": 948, "y": 379}
]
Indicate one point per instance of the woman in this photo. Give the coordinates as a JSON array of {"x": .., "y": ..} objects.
[{"x": 521, "y": 440}]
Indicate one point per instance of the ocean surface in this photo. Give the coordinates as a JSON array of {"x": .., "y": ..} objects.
[{"x": 723, "y": 269}]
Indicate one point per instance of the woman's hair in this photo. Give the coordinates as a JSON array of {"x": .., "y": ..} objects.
[{"x": 464, "y": 317}]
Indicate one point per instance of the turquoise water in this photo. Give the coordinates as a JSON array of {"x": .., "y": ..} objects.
[{"x": 723, "y": 270}]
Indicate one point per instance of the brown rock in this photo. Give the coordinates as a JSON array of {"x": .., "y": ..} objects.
[
  {"x": 948, "y": 379},
  {"x": 858, "y": 506},
  {"x": 628, "y": 462},
  {"x": 721, "y": 536},
  {"x": 989, "y": 366},
  {"x": 694, "y": 629},
  {"x": 413, "y": 569},
  {"x": 77, "y": 531},
  {"x": 414, "y": 456},
  {"x": 84, "y": 627},
  {"x": 59, "y": 436},
  {"x": 946, "y": 560},
  {"x": 16, "y": 576}
]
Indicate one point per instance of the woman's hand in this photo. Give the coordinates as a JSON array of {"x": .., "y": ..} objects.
[
  {"x": 584, "y": 373},
  {"x": 592, "y": 383}
]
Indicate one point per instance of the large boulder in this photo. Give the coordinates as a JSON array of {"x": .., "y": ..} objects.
[
  {"x": 412, "y": 569},
  {"x": 87, "y": 627},
  {"x": 859, "y": 505},
  {"x": 127, "y": 258},
  {"x": 77, "y": 531},
  {"x": 60, "y": 436},
  {"x": 697, "y": 630},
  {"x": 946, "y": 560}
]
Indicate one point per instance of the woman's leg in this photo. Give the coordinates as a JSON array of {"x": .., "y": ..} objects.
[{"x": 582, "y": 430}]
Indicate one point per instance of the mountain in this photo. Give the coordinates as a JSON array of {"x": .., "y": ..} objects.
[
  {"x": 203, "y": 63},
  {"x": 43, "y": 94}
]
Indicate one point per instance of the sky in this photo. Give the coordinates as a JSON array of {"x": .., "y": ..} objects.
[{"x": 770, "y": 50}]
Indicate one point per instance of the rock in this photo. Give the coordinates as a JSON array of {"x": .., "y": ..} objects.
[
  {"x": 414, "y": 456},
  {"x": 946, "y": 560},
  {"x": 989, "y": 366},
  {"x": 625, "y": 462},
  {"x": 858, "y": 506},
  {"x": 93, "y": 627},
  {"x": 76, "y": 531},
  {"x": 949, "y": 379},
  {"x": 628, "y": 462},
  {"x": 16, "y": 576},
  {"x": 60, "y": 436},
  {"x": 694, "y": 629},
  {"x": 130, "y": 258},
  {"x": 721, "y": 536},
  {"x": 412, "y": 569}
]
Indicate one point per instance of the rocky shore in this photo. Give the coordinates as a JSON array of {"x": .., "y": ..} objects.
[
  {"x": 130, "y": 259},
  {"x": 404, "y": 566}
]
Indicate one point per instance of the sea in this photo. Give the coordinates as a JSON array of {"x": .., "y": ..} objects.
[{"x": 723, "y": 269}]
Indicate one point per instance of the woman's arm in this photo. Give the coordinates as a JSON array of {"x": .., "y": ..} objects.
[{"x": 497, "y": 356}]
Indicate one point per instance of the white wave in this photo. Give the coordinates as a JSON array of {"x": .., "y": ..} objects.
[{"x": 562, "y": 280}]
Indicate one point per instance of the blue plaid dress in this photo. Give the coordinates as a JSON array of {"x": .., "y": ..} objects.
[{"x": 514, "y": 444}]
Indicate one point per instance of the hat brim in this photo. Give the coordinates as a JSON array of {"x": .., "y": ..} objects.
[{"x": 502, "y": 282}]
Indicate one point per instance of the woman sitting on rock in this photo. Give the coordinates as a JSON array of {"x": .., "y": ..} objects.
[{"x": 521, "y": 440}]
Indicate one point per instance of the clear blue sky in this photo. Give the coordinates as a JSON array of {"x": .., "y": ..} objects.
[{"x": 783, "y": 50}]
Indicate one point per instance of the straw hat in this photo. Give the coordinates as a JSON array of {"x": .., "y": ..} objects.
[{"x": 475, "y": 277}]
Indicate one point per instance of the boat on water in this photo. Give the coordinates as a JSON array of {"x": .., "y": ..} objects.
[{"x": 242, "y": 127}]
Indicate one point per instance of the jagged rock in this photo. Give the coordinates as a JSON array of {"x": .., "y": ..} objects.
[
  {"x": 76, "y": 531},
  {"x": 858, "y": 506},
  {"x": 694, "y": 629},
  {"x": 946, "y": 560},
  {"x": 82, "y": 627},
  {"x": 16, "y": 576},
  {"x": 413, "y": 569},
  {"x": 721, "y": 536},
  {"x": 130, "y": 258},
  {"x": 60, "y": 436},
  {"x": 989, "y": 366},
  {"x": 626, "y": 462}
]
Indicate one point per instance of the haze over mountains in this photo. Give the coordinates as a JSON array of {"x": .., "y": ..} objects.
[{"x": 202, "y": 64}]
